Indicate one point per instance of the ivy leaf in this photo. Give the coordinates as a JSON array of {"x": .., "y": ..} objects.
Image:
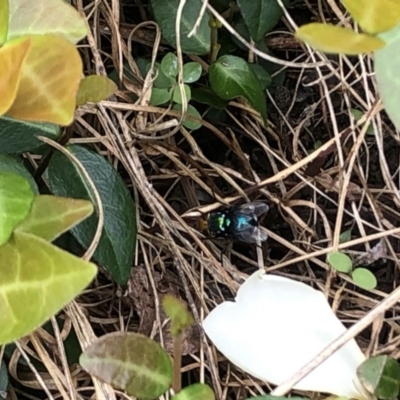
[
  {"x": 116, "y": 247},
  {"x": 17, "y": 136},
  {"x": 374, "y": 16},
  {"x": 380, "y": 375},
  {"x": 260, "y": 16},
  {"x": 16, "y": 197},
  {"x": 337, "y": 40},
  {"x": 50, "y": 216},
  {"x": 94, "y": 88},
  {"x": 231, "y": 77},
  {"x": 37, "y": 279},
  {"x": 165, "y": 14},
  {"x": 131, "y": 362}
]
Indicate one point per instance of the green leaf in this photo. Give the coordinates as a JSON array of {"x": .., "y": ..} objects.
[
  {"x": 340, "y": 261},
  {"x": 94, "y": 88},
  {"x": 177, "y": 98},
  {"x": 131, "y": 362},
  {"x": 3, "y": 381},
  {"x": 387, "y": 67},
  {"x": 17, "y": 136},
  {"x": 46, "y": 16},
  {"x": 262, "y": 75},
  {"x": 193, "y": 125},
  {"x": 191, "y": 72},
  {"x": 357, "y": 114},
  {"x": 204, "y": 95},
  {"x": 345, "y": 236},
  {"x": 50, "y": 216},
  {"x": 116, "y": 247},
  {"x": 37, "y": 279},
  {"x": 14, "y": 164},
  {"x": 16, "y": 197},
  {"x": 380, "y": 375},
  {"x": 260, "y": 16},
  {"x": 178, "y": 313},
  {"x": 374, "y": 16},
  {"x": 231, "y": 77},
  {"x": 196, "y": 391},
  {"x": 169, "y": 65},
  {"x": 160, "y": 96},
  {"x": 364, "y": 278},
  {"x": 165, "y": 14},
  {"x": 338, "y": 40},
  {"x": 162, "y": 81}
]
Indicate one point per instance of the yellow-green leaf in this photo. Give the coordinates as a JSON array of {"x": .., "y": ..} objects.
[
  {"x": 50, "y": 216},
  {"x": 131, "y": 362},
  {"x": 94, "y": 88},
  {"x": 41, "y": 17},
  {"x": 3, "y": 21},
  {"x": 177, "y": 311},
  {"x": 16, "y": 197},
  {"x": 37, "y": 279},
  {"x": 50, "y": 79},
  {"x": 12, "y": 57},
  {"x": 374, "y": 16},
  {"x": 337, "y": 40}
]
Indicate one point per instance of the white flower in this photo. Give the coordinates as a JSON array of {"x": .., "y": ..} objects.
[{"x": 276, "y": 326}]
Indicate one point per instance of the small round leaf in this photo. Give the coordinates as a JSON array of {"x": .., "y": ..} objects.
[
  {"x": 364, "y": 278},
  {"x": 191, "y": 72},
  {"x": 159, "y": 96},
  {"x": 169, "y": 65},
  {"x": 177, "y": 98},
  {"x": 187, "y": 123},
  {"x": 340, "y": 261}
]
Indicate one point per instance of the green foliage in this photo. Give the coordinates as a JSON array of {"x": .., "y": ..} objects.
[
  {"x": 17, "y": 136},
  {"x": 345, "y": 236},
  {"x": 260, "y": 16},
  {"x": 165, "y": 14},
  {"x": 340, "y": 261},
  {"x": 197, "y": 391},
  {"x": 231, "y": 77},
  {"x": 166, "y": 88},
  {"x": 178, "y": 313},
  {"x": 191, "y": 111},
  {"x": 36, "y": 278},
  {"x": 362, "y": 277},
  {"x": 131, "y": 362},
  {"x": 16, "y": 197},
  {"x": 116, "y": 247},
  {"x": 380, "y": 376}
]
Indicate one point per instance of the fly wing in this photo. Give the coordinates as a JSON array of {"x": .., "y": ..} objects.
[
  {"x": 251, "y": 235},
  {"x": 256, "y": 207}
]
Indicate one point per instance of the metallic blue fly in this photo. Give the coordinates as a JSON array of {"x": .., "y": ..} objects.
[{"x": 237, "y": 223}]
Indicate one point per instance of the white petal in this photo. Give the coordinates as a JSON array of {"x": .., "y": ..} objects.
[{"x": 276, "y": 326}]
